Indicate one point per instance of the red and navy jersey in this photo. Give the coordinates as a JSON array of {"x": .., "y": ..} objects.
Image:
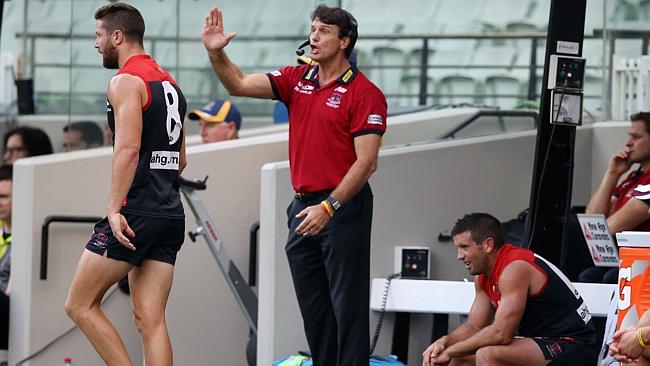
[
  {"x": 324, "y": 120},
  {"x": 623, "y": 193},
  {"x": 557, "y": 310},
  {"x": 154, "y": 191}
]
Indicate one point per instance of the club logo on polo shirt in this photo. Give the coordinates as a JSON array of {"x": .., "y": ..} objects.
[
  {"x": 334, "y": 100},
  {"x": 304, "y": 88},
  {"x": 340, "y": 89},
  {"x": 375, "y": 119}
]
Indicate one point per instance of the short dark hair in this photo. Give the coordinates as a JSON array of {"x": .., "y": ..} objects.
[
  {"x": 480, "y": 226},
  {"x": 90, "y": 132},
  {"x": 123, "y": 17},
  {"x": 35, "y": 140},
  {"x": 6, "y": 172},
  {"x": 643, "y": 117},
  {"x": 342, "y": 19}
]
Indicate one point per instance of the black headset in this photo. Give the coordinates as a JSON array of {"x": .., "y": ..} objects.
[{"x": 352, "y": 31}]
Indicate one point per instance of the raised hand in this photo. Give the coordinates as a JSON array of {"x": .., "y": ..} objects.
[{"x": 213, "y": 36}]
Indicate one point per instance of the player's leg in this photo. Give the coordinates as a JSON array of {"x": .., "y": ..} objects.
[
  {"x": 464, "y": 361},
  {"x": 94, "y": 276},
  {"x": 521, "y": 351},
  {"x": 150, "y": 285}
]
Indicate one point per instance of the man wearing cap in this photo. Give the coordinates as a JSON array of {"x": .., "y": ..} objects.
[
  {"x": 336, "y": 120},
  {"x": 219, "y": 120}
]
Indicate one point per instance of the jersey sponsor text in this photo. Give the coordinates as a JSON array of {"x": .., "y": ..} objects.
[{"x": 164, "y": 160}]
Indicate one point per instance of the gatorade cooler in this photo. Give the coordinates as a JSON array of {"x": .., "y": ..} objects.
[{"x": 633, "y": 277}]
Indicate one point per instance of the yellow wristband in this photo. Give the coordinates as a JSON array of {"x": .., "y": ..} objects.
[
  {"x": 639, "y": 336},
  {"x": 328, "y": 207}
]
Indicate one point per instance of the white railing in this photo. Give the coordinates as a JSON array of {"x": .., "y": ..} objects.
[
  {"x": 7, "y": 79},
  {"x": 630, "y": 83}
]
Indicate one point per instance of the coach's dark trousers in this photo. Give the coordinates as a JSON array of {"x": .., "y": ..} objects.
[{"x": 331, "y": 276}]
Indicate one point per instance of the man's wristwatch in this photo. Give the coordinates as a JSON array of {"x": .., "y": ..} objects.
[{"x": 334, "y": 203}]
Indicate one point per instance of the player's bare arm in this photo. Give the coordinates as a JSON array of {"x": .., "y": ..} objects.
[
  {"x": 127, "y": 94},
  {"x": 514, "y": 285},
  {"x": 481, "y": 314}
]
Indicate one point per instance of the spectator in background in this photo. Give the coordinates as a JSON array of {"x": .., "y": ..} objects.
[
  {"x": 82, "y": 135},
  {"x": 108, "y": 135},
  {"x": 219, "y": 120},
  {"x": 6, "y": 172},
  {"x": 23, "y": 142}
]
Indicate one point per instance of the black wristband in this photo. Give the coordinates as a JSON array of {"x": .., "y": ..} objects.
[{"x": 334, "y": 203}]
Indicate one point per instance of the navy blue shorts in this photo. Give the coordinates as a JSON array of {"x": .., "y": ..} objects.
[
  {"x": 155, "y": 238},
  {"x": 565, "y": 351}
]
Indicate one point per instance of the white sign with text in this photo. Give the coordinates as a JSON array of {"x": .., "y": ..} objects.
[{"x": 602, "y": 249}]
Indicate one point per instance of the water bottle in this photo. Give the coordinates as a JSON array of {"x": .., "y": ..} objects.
[{"x": 67, "y": 361}]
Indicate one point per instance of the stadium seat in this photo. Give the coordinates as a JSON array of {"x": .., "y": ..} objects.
[
  {"x": 502, "y": 12},
  {"x": 415, "y": 17},
  {"x": 190, "y": 54},
  {"x": 414, "y": 57},
  {"x": 447, "y": 15},
  {"x": 383, "y": 73},
  {"x": 53, "y": 17},
  {"x": 276, "y": 55},
  {"x": 160, "y": 17},
  {"x": 90, "y": 80},
  {"x": 450, "y": 52},
  {"x": 83, "y": 19},
  {"x": 496, "y": 85},
  {"x": 644, "y": 9},
  {"x": 52, "y": 51},
  {"x": 285, "y": 17},
  {"x": 457, "y": 89},
  {"x": 410, "y": 84},
  {"x": 538, "y": 13},
  {"x": 51, "y": 80},
  {"x": 166, "y": 53},
  {"x": 625, "y": 11},
  {"x": 487, "y": 54},
  {"x": 196, "y": 84},
  {"x": 371, "y": 16}
]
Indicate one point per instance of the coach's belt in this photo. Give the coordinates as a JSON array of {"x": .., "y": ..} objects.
[{"x": 310, "y": 196}]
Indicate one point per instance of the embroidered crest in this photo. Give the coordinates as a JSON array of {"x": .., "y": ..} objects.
[{"x": 334, "y": 100}]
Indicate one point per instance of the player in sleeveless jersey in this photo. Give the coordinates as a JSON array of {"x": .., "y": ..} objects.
[
  {"x": 526, "y": 312},
  {"x": 144, "y": 227}
]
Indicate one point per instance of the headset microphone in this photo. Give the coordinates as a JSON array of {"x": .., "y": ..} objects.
[{"x": 300, "y": 51}]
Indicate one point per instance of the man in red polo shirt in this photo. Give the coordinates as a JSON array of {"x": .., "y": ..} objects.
[
  {"x": 613, "y": 199},
  {"x": 337, "y": 118}
]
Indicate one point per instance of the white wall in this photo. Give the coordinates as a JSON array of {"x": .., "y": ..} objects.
[
  {"x": 413, "y": 203},
  {"x": 204, "y": 320}
]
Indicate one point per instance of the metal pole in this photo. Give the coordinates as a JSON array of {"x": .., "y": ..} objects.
[
  {"x": 553, "y": 173},
  {"x": 424, "y": 63},
  {"x": 532, "y": 70}
]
